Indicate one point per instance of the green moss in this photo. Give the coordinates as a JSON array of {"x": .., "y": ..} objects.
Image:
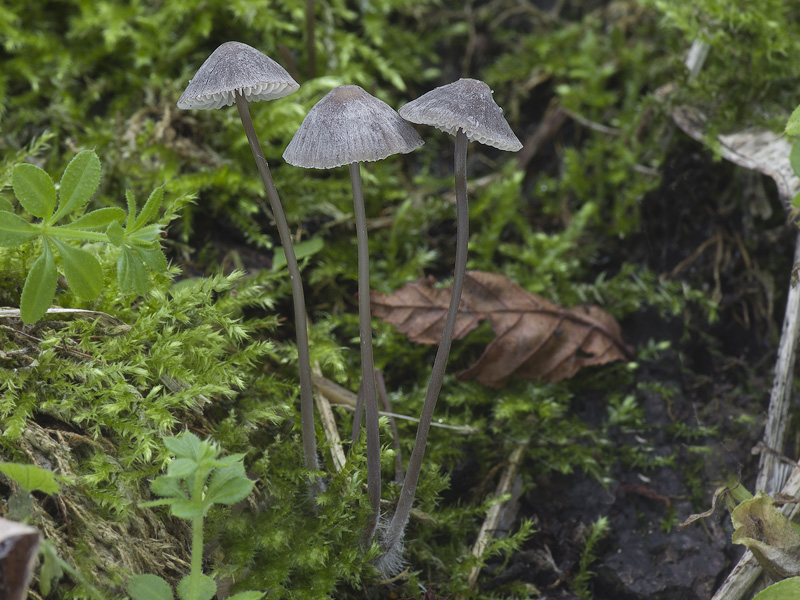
[{"x": 211, "y": 353}]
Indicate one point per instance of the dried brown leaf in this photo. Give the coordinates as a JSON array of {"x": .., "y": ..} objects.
[
  {"x": 536, "y": 339},
  {"x": 418, "y": 310}
]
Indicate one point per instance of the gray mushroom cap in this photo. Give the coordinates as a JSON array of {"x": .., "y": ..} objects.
[
  {"x": 236, "y": 67},
  {"x": 464, "y": 104},
  {"x": 349, "y": 125}
]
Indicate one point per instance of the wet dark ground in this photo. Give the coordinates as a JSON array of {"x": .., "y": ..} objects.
[{"x": 719, "y": 376}]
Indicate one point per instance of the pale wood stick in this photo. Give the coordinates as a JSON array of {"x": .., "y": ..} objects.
[
  {"x": 493, "y": 516},
  {"x": 771, "y": 475},
  {"x": 329, "y": 423},
  {"x": 745, "y": 574}
]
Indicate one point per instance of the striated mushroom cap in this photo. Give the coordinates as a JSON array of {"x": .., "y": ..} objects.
[
  {"x": 464, "y": 104},
  {"x": 349, "y": 125},
  {"x": 236, "y": 67}
]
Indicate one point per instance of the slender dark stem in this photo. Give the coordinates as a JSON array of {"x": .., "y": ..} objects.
[
  {"x": 301, "y": 327},
  {"x": 358, "y": 414},
  {"x": 197, "y": 538},
  {"x": 394, "y": 533},
  {"x": 367, "y": 364}
]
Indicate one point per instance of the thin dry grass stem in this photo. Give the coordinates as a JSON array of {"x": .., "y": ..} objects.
[
  {"x": 348, "y": 400},
  {"x": 329, "y": 423},
  {"x": 493, "y": 517},
  {"x": 401, "y": 575}
]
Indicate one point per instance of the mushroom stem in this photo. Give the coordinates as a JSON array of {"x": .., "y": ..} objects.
[
  {"x": 358, "y": 414},
  {"x": 393, "y": 536},
  {"x": 368, "y": 387},
  {"x": 301, "y": 327}
]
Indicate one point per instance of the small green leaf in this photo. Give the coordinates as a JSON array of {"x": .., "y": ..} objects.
[
  {"x": 116, "y": 234},
  {"x": 35, "y": 190},
  {"x": 40, "y": 287},
  {"x": 79, "y": 182},
  {"x": 131, "y": 200},
  {"x": 301, "y": 250},
  {"x": 51, "y": 568},
  {"x": 148, "y": 587},
  {"x": 186, "y": 445},
  {"x": 153, "y": 258},
  {"x": 149, "y": 209},
  {"x": 768, "y": 534},
  {"x": 788, "y": 589},
  {"x": 796, "y": 200},
  {"x": 181, "y": 468},
  {"x": 187, "y": 509},
  {"x": 228, "y": 485},
  {"x": 131, "y": 274},
  {"x": 15, "y": 231},
  {"x": 247, "y": 596},
  {"x": 98, "y": 219},
  {"x": 794, "y": 157},
  {"x": 83, "y": 271},
  {"x": 5, "y": 204},
  {"x": 31, "y": 478},
  {"x": 793, "y": 124},
  {"x": 144, "y": 236},
  {"x": 162, "y": 502},
  {"x": 207, "y": 588},
  {"x": 168, "y": 486}
]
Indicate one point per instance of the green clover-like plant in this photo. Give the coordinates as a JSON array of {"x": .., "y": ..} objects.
[
  {"x": 36, "y": 193},
  {"x": 197, "y": 479}
]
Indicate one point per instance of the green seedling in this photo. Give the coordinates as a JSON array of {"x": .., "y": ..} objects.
[
  {"x": 36, "y": 193},
  {"x": 197, "y": 479},
  {"x": 29, "y": 479}
]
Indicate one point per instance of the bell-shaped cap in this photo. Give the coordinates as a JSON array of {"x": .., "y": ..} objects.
[
  {"x": 349, "y": 125},
  {"x": 236, "y": 67},
  {"x": 464, "y": 104}
]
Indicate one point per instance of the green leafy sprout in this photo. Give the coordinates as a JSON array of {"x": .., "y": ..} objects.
[
  {"x": 138, "y": 241},
  {"x": 597, "y": 531},
  {"x": 197, "y": 479},
  {"x": 31, "y": 478}
]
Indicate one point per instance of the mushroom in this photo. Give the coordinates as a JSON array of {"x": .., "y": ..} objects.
[
  {"x": 347, "y": 127},
  {"x": 239, "y": 73},
  {"x": 467, "y": 110}
]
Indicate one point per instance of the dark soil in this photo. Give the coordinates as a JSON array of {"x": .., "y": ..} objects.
[{"x": 717, "y": 373}]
